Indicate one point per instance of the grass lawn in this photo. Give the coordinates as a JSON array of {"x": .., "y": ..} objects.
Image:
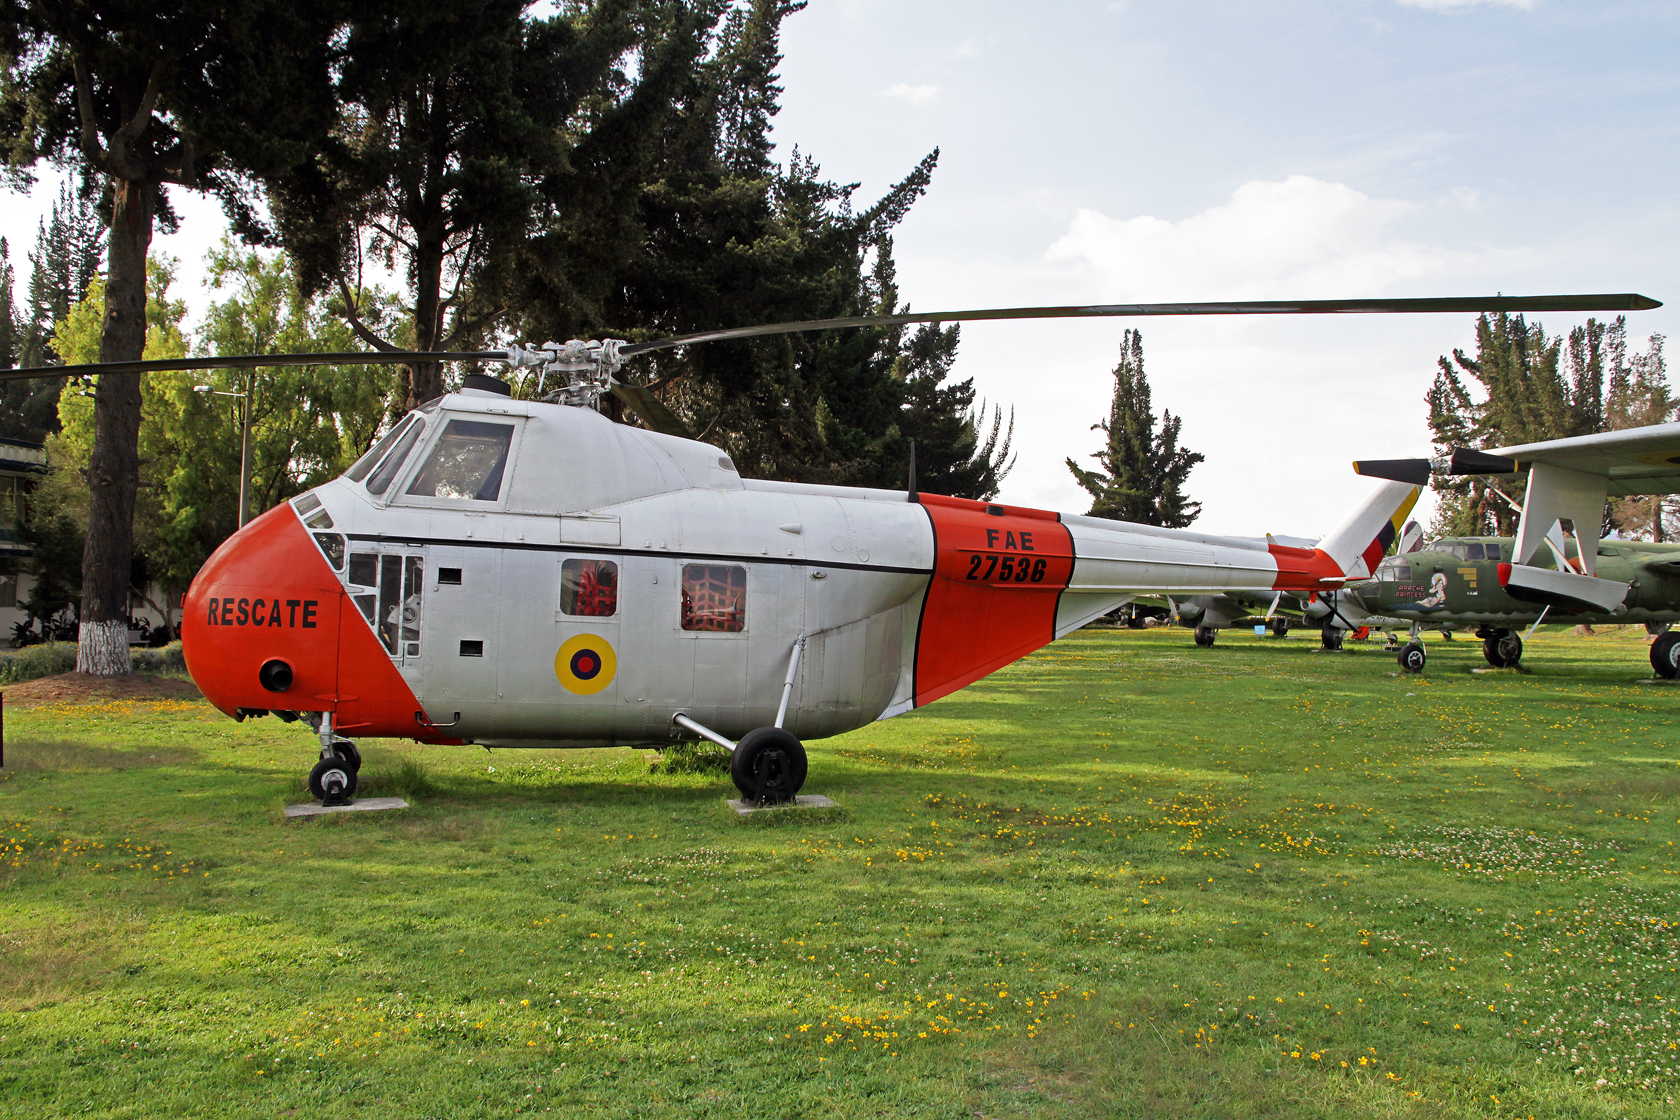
[{"x": 1125, "y": 877}]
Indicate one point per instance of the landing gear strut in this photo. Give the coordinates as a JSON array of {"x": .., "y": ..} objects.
[{"x": 333, "y": 780}]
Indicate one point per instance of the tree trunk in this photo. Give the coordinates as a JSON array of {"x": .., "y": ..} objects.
[
  {"x": 425, "y": 379},
  {"x": 113, "y": 469}
]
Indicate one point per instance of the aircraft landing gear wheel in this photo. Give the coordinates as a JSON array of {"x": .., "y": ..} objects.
[
  {"x": 1665, "y": 655},
  {"x": 1331, "y": 637},
  {"x": 332, "y": 782},
  {"x": 1205, "y": 636},
  {"x": 1412, "y": 657},
  {"x": 345, "y": 751},
  {"x": 1503, "y": 649},
  {"x": 1136, "y": 622},
  {"x": 1280, "y": 627},
  {"x": 768, "y": 766}
]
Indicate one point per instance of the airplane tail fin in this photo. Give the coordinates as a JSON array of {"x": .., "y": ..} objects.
[{"x": 1360, "y": 541}]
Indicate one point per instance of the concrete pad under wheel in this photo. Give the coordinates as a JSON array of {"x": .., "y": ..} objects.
[
  {"x": 365, "y": 805},
  {"x": 813, "y": 801}
]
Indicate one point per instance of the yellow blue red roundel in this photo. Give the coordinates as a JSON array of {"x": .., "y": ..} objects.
[{"x": 585, "y": 664}]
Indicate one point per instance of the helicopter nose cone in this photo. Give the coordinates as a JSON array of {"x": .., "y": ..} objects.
[{"x": 260, "y": 624}]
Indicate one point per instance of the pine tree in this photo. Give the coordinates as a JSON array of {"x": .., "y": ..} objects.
[
  {"x": 64, "y": 262},
  {"x": 11, "y": 329},
  {"x": 1524, "y": 387},
  {"x": 1143, "y": 469}
]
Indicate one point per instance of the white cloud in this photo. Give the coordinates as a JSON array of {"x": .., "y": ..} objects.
[
  {"x": 915, "y": 95},
  {"x": 1455, "y": 5},
  {"x": 1300, "y": 238}
]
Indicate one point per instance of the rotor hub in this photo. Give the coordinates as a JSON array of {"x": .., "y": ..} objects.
[{"x": 585, "y": 369}]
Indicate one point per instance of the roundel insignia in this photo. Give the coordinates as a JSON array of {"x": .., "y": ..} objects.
[{"x": 585, "y": 664}]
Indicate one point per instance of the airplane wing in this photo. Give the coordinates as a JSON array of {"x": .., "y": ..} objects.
[{"x": 1631, "y": 461}]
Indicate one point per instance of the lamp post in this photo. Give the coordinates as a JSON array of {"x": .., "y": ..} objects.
[{"x": 245, "y": 441}]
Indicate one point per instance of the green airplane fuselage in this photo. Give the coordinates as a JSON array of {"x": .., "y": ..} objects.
[{"x": 1456, "y": 581}]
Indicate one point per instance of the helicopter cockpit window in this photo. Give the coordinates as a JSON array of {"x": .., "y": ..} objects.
[
  {"x": 388, "y": 590},
  {"x": 714, "y": 598},
  {"x": 468, "y": 462},
  {"x": 589, "y": 587},
  {"x": 362, "y": 466},
  {"x": 380, "y": 480}
]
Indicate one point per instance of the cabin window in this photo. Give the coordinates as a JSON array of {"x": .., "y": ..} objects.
[
  {"x": 1473, "y": 551},
  {"x": 589, "y": 588},
  {"x": 333, "y": 545},
  {"x": 468, "y": 462},
  {"x": 391, "y": 602},
  {"x": 714, "y": 598}
]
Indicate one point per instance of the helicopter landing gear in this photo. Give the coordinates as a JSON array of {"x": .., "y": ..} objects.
[
  {"x": 1205, "y": 636},
  {"x": 1412, "y": 657},
  {"x": 1502, "y": 648},
  {"x": 1665, "y": 655},
  {"x": 1330, "y": 637},
  {"x": 1280, "y": 627},
  {"x": 768, "y": 766},
  {"x": 333, "y": 779}
]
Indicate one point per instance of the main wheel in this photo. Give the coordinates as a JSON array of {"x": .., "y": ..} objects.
[
  {"x": 1331, "y": 637},
  {"x": 1665, "y": 655},
  {"x": 1205, "y": 635},
  {"x": 345, "y": 751},
  {"x": 332, "y": 782},
  {"x": 1280, "y": 627},
  {"x": 1137, "y": 622},
  {"x": 768, "y": 766},
  {"x": 1503, "y": 649},
  {"x": 1412, "y": 657}
]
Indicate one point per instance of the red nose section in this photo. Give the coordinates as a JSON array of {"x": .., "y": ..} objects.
[{"x": 267, "y": 597}]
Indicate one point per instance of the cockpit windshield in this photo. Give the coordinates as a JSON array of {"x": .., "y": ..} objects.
[
  {"x": 359, "y": 469},
  {"x": 468, "y": 461},
  {"x": 380, "y": 480}
]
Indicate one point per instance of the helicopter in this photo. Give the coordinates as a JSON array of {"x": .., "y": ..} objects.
[{"x": 529, "y": 573}]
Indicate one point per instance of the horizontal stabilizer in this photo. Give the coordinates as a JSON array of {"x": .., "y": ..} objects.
[{"x": 1562, "y": 589}]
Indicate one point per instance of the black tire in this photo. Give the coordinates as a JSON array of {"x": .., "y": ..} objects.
[
  {"x": 347, "y": 753},
  {"x": 1280, "y": 628},
  {"x": 332, "y": 782},
  {"x": 768, "y": 766},
  {"x": 1412, "y": 657},
  {"x": 1331, "y": 637},
  {"x": 1205, "y": 636},
  {"x": 1665, "y": 655},
  {"x": 1503, "y": 649},
  {"x": 1137, "y": 622}
]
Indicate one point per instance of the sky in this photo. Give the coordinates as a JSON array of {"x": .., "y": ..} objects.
[{"x": 1202, "y": 150}]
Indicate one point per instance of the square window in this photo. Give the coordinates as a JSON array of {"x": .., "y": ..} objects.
[
  {"x": 589, "y": 587},
  {"x": 470, "y": 648},
  {"x": 449, "y": 575},
  {"x": 714, "y": 598}
]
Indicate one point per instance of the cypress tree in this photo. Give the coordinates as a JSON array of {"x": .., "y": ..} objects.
[{"x": 1143, "y": 469}]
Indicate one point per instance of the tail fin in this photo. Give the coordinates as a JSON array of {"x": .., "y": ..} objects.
[{"x": 1361, "y": 540}]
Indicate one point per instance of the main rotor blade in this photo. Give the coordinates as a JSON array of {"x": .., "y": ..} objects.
[
  {"x": 259, "y": 361},
  {"x": 1625, "y": 301}
]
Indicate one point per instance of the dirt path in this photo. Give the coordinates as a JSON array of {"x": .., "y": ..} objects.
[{"x": 85, "y": 686}]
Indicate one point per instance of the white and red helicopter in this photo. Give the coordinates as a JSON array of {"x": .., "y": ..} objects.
[{"x": 529, "y": 573}]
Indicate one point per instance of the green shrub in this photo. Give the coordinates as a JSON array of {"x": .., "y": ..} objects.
[
  {"x": 45, "y": 660},
  {"x": 167, "y": 659}
]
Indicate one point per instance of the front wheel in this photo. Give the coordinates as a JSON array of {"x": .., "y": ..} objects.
[
  {"x": 1331, "y": 637},
  {"x": 1503, "y": 649},
  {"x": 1665, "y": 655},
  {"x": 332, "y": 782},
  {"x": 768, "y": 766},
  {"x": 345, "y": 751},
  {"x": 1280, "y": 627},
  {"x": 1412, "y": 657},
  {"x": 1205, "y": 635}
]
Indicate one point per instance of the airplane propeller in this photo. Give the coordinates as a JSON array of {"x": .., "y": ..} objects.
[
  {"x": 1417, "y": 472},
  {"x": 589, "y": 366}
]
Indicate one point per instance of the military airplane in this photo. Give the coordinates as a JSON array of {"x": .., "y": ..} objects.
[
  {"x": 528, "y": 573},
  {"x": 1456, "y": 582}
]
